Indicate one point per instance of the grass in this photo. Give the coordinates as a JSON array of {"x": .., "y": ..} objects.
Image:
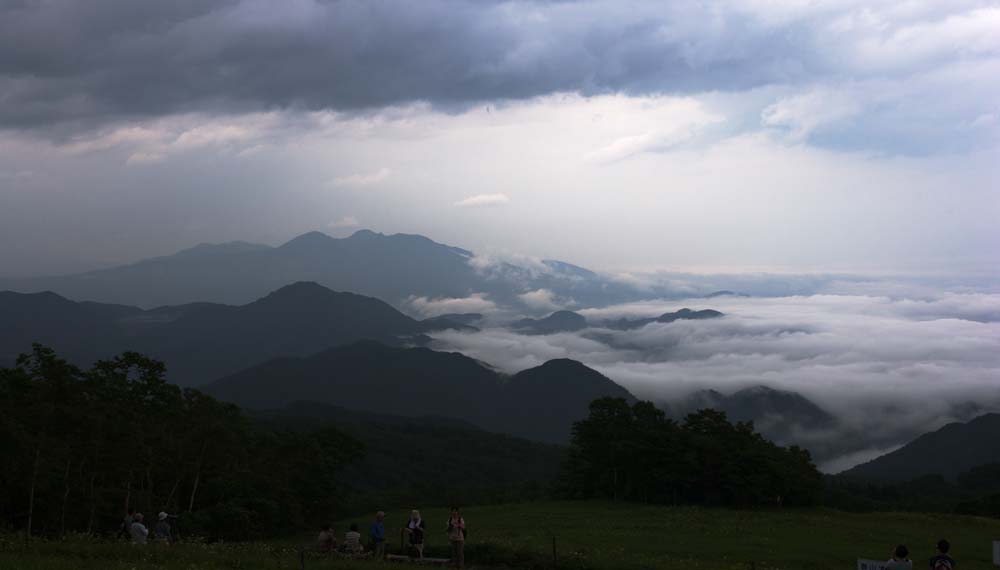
[{"x": 589, "y": 535}]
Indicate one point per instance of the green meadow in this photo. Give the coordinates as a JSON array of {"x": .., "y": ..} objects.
[{"x": 588, "y": 535}]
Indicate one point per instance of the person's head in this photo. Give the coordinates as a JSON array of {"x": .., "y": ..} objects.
[
  {"x": 901, "y": 552},
  {"x": 162, "y": 516},
  {"x": 943, "y": 546},
  {"x": 325, "y": 527},
  {"x": 454, "y": 512},
  {"x": 354, "y": 527},
  {"x": 137, "y": 517},
  {"x": 414, "y": 514},
  {"x": 380, "y": 516}
]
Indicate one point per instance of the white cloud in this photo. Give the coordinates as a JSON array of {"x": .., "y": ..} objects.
[
  {"x": 480, "y": 200},
  {"x": 361, "y": 180},
  {"x": 345, "y": 222},
  {"x": 475, "y": 303},
  {"x": 542, "y": 300},
  {"x": 889, "y": 369}
]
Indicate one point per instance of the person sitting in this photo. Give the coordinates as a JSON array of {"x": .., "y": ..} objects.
[
  {"x": 942, "y": 560},
  {"x": 900, "y": 559},
  {"x": 352, "y": 541},
  {"x": 137, "y": 530},
  {"x": 415, "y": 528},
  {"x": 326, "y": 541}
]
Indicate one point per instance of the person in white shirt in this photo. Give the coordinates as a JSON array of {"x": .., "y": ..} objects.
[
  {"x": 138, "y": 531},
  {"x": 900, "y": 559}
]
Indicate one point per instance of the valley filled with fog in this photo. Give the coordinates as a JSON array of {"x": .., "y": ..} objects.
[{"x": 887, "y": 368}]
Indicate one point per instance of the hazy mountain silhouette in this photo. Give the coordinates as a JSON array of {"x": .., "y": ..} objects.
[
  {"x": 559, "y": 321},
  {"x": 389, "y": 267},
  {"x": 200, "y": 342},
  {"x": 540, "y": 403},
  {"x": 782, "y": 416},
  {"x": 948, "y": 452},
  {"x": 682, "y": 314}
]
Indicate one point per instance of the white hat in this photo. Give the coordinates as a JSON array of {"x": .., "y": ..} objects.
[{"x": 162, "y": 516}]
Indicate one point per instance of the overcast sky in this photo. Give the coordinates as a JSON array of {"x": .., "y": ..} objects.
[{"x": 622, "y": 135}]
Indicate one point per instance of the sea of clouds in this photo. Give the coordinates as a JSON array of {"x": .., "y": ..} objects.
[{"x": 888, "y": 361}]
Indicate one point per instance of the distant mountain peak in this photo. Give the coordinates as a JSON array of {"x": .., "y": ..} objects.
[
  {"x": 308, "y": 239},
  {"x": 300, "y": 288}
]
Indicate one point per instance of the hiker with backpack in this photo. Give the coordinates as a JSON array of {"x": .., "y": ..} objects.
[
  {"x": 456, "y": 536},
  {"x": 942, "y": 560}
]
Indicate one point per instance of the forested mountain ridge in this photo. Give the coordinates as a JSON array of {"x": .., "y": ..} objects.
[
  {"x": 540, "y": 403},
  {"x": 201, "y": 342},
  {"x": 947, "y": 452}
]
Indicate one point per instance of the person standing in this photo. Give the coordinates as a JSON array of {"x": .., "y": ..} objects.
[
  {"x": 162, "y": 530},
  {"x": 126, "y": 528},
  {"x": 376, "y": 534},
  {"x": 137, "y": 530},
  {"x": 456, "y": 536},
  {"x": 415, "y": 528},
  {"x": 942, "y": 560}
]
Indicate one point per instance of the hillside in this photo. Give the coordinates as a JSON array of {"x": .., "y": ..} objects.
[
  {"x": 389, "y": 267},
  {"x": 948, "y": 452},
  {"x": 411, "y": 460},
  {"x": 200, "y": 342},
  {"x": 540, "y": 403}
]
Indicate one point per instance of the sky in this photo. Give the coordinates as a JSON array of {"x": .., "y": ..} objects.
[{"x": 738, "y": 135}]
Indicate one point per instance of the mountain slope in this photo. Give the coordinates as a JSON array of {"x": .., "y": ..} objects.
[
  {"x": 389, "y": 267},
  {"x": 682, "y": 314},
  {"x": 948, "y": 452},
  {"x": 540, "y": 403},
  {"x": 203, "y": 341},
  {"x": 559, "y": 321}
]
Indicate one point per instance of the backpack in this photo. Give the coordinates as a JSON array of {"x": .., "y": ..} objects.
[{"x": 943, "y": 564}]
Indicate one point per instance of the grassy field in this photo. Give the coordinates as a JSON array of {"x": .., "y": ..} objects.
[{"x": 588, "y": 536}]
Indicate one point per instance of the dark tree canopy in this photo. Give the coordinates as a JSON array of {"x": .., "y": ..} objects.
[
  {"x": 637, "y": 453},
  {"x": 79, "y": 447}
]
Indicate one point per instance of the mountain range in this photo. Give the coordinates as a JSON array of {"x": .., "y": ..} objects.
[
  {"x": 201, "y": 342},
  {"x": 393, "y": 268},
  {"x": 948, "y": 452},
  {"x": 540, "y": 403}
]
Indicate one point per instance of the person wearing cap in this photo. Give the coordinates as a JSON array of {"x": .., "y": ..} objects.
[
  {"x": 162, "y": 529},
  {"x": 137, "y": 530}
]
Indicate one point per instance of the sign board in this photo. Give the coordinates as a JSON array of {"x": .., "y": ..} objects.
[
  {"x": 871, "y": 564},
  {"x": 996, "y": 552}
]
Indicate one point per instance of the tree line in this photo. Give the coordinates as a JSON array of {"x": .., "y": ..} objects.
[
  {"x": 78, "y": 447},
  {"x": 636, "y": 453}
]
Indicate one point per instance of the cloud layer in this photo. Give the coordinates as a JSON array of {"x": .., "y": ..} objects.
[
  {"x": 66, "y": 62},
  {"x": 889, "y": 369}
]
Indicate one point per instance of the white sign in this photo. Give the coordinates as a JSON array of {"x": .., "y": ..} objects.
[
  {"x": 871, "y": 564},
  {"x": 996, "y": 552}
]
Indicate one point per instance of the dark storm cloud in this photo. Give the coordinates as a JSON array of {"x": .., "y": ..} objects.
[{"x": 95, "y": 61}]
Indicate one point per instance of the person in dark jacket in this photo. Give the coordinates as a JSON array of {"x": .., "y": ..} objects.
[
  {"x": 942, "y": 560},
  {"x": 415, "y": 528}
]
